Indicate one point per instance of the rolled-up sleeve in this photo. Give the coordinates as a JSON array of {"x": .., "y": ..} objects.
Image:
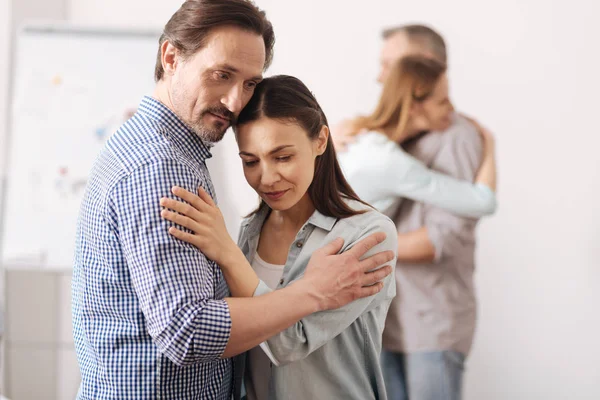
[
  {"x": 310, "y": 333},
  {"x": 173, "y": 281}
]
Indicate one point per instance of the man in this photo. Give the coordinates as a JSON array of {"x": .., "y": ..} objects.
[
  {"x": 431, "y": 322},
  {"x": 429, "y": 329},
  {"x": 150, "y": 314}
]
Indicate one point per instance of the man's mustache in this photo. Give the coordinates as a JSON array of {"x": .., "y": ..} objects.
[{"x": 223, "y": 113}]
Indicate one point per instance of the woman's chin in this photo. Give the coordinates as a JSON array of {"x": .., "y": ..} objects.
[{"x": 278, "y": 205}]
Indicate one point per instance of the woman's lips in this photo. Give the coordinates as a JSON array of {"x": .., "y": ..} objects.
[{"x": 275, "y": 195}]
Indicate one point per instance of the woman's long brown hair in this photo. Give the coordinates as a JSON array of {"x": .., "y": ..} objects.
[{"x": 286, "y": 98}]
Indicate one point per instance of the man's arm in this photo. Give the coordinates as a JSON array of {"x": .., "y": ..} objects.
[
  {"x": 415, "y": 247},
  {"x": 311, "y": 332},
  {"x": 174, "y": 280},
  {"x": 330, "y": 281}
]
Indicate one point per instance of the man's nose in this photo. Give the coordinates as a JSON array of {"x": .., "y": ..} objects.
[{"x": 233, "y": 99}]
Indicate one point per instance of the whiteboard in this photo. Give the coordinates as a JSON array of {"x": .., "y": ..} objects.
[{"x": 72, "y": 88}]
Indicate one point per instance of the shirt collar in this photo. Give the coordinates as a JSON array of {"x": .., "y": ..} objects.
[
  {"x": 176, "y": 129},
  {"x": 255, "y": 222},
  {"x": 322, "y": 221}
]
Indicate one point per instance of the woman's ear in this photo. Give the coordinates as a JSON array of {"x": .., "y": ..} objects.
[{"x": 321, "y": 142}]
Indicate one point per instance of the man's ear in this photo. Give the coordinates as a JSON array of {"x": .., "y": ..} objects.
[{"x": 170, "y": 57}]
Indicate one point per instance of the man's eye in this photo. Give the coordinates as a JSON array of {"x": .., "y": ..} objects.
[{"x": 250, "y": 85}]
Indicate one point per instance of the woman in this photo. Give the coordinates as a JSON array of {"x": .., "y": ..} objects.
[
  {"x": 414, "y": 100},
  {"x": 289, "y": 160},
  {"x": 430, "y": 325}
]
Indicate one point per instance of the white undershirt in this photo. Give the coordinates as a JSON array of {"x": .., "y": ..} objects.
[{"x": 258, "y": 364}]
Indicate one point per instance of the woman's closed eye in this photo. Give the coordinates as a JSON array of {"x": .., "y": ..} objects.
[
  {"x": 283, "y": 158},
  {"x": 250, "y": 163}
]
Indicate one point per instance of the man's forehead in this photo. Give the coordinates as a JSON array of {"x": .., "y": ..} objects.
[
  {"x": 395, "y": 46},
  {"x": 240, "y": 50}
]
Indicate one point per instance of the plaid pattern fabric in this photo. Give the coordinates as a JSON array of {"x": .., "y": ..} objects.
[{"x": 149, "y": 317}]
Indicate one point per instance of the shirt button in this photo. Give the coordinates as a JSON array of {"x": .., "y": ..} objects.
[
  {"x": 299, "y": 245},
  {"x": 281, "y": 281}
]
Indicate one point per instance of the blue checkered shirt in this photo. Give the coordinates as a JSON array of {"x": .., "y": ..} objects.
[{"x": 149, "y": 317}]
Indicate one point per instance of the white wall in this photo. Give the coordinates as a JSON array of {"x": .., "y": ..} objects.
[
  {"x": 5, "y": 31},
  {"x": 12, "y": 14},
  {"x": 527, "y": 69},
  {"x": 4, "y": 43}
]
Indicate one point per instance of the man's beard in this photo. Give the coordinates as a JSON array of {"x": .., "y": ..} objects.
[{"x": 213, "y": 132}]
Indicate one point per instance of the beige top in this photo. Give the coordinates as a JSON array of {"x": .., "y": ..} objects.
[{"x": 435, "y": 307}]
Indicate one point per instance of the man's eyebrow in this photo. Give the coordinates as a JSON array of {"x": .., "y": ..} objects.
[{"x": 231, "y": 68}]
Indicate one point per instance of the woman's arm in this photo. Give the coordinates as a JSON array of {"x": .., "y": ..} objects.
[
  {"x": 389, "y": 171},
  {"x": 205, "y": 219}
]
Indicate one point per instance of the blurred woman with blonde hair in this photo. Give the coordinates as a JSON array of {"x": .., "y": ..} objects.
[{"x": 414, "y": 100}]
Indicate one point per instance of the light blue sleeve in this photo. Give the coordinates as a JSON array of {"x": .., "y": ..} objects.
[{"x": 380, "y": 169}]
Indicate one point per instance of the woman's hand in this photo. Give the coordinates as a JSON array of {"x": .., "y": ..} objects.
[
  {"x": 343, "y": 134},
  {"x": 487, "y": 170},
  {"x": 204, "y": 219},
  {"x": 489, "y": 142}
]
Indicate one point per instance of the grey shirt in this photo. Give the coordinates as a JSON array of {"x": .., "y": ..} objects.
[
  {"x": 331, "y": 354},
  {"x": 435, "y": 308}
]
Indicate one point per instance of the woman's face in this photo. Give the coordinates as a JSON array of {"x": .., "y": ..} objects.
[
  {"x": 279, "y": 159},
  {"x": 435, "y": 113}
]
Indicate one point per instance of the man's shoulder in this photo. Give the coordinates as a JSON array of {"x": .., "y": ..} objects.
[
  {"x": 462, "y": 131},
  {"x": 141, "y": 144},
  {"x": 138, "y": 142},
  {"x": 461, "y": 150},
  {"x": 150, "y": 166}
]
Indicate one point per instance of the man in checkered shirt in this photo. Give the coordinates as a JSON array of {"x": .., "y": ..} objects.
[{"x": 151, "y": 315}]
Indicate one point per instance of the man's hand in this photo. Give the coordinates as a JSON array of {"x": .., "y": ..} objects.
[{"x": 335, "y": 280}]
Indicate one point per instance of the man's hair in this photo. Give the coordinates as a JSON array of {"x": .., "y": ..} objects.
[
  {"x": 191, "y": 25},
  {"x": 423, "y": 36}
]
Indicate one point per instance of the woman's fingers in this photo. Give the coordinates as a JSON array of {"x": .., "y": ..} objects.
[
  {"x": 181, "y": 235},
  {"x": 182, "y": 220},
  {"x": 193, "y": 199},
  {"x": 181, "y": 207},
  {"x": 205, "y": 197}
]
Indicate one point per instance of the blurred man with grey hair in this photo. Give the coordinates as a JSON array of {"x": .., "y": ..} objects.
[{"x": 431, "y": 323}]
